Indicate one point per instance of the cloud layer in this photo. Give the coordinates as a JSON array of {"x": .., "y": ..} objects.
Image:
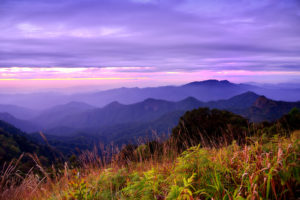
[{"x": 155, "y": 36}]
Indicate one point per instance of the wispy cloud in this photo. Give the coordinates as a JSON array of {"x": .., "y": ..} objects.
[{"x": 152, "y": 37}]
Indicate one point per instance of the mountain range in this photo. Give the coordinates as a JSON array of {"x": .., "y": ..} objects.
[
  {"x": 120, "y": 121},
  {"x": 26, "y": 126},
  {"x": 117, "y": 120},
  {"x": 82, "y": 124},
  {"x": 14, "y": 142},
  {"x": 83, "y": 116},
  {"x": 209, "y": 90}
]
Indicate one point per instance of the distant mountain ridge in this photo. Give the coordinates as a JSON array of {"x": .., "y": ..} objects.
[
  {"x": 247, "y": 104},
  {"x": 116, "y": 113},
  {"x": 77, "y": 124},
  {"x": 211, "y": 83},
  {"x": 267, "y": 109},
  {"x": 241, "y": 101},
  {"x": 75, "y": 117},
  {"x": 209, "y": 90},
  {"x": 18, "y": 111},
  {"x": 14, "y": 142},
  {"x": 144, "y": 122},
  {"x": 24, "y": 125},
  {"x": 59, "y": 112}
]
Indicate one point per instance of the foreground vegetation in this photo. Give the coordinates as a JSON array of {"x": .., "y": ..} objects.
[
  {"x": 264, "y": 168},
  {"x": 211, "y": 154}
]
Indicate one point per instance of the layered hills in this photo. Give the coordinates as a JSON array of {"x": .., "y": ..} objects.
[
  {"x": 209, "y": 90},
  {"x": 82, "y": 122}
]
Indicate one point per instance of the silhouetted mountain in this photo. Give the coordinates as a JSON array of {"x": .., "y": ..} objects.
[
  {"x": 115, "y": 113},
  {"x": 136, "y": 115},
  {"x": 141, "y": 131},
  {"x": 123, "y": 124},
  {"x": 72, "y": 141},
  {"x": 54, "y": 115},
  {"x": 241, "y": 101},
  {"x": 24, "y": 125},
  {"x": 18, "y": 112},
  {"x": 264, "y": 109},
  {"x": 209, "y": 90},
  {"x": 189, "y": 103},
  {"x": 203, "y": 90},
  {"x": 210, "y": 83}
]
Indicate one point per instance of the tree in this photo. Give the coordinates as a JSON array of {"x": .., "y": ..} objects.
[{"x": 209, "y": 128}]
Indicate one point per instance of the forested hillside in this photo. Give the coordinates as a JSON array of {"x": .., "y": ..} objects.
[
  {"x": 14, "y": 143},
  {"x": 210, "y": 154}
]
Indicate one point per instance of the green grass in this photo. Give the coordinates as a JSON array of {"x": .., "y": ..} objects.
[{"x": 265, "y": 168}]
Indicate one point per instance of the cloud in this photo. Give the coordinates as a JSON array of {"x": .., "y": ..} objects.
[{"x": 165, "y": 36}]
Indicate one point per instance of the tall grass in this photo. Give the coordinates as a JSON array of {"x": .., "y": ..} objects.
[{"x": 262, "y": 168}]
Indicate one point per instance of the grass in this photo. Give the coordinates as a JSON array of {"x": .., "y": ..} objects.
[{"x": 264, "y": 168}]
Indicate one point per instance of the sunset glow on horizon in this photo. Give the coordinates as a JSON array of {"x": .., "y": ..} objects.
[
  {"x": 110, "y": 77},
  {"x": 144, "y": 43}
]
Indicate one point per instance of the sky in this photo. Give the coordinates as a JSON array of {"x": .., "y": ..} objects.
[{"x": 114, "y": 43}]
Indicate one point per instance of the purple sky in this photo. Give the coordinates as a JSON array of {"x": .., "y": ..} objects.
[{"x": 147, "y": 42}]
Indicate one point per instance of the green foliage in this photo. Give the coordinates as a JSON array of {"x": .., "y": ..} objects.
[
  {"x": 80, "y": 191},
  {"x": 184, "y": 192},
  {"x": 209, "y": 128},
  {"x": 283, "y": 126},
  {"x": 264, "y": 169},
  {"x": 14, "y": 142},
  {"x": 110, "y": 183},
  {"x": 73, "y": 161},
  {"x": 291, "y": 120},
  {"x": 145, "y": 187},
  {"x": 264, "y": 166}
]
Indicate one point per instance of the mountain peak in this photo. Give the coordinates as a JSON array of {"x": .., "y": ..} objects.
[
  {"x": 190, "y": 103},
  {"x": 6, "y": 116},
  {"x": 114, "y": 104},
  {"x": 248, "y": 94},
  {"x": 210, "y": 82},
  {"x": 72, "y": 105},
  {"x": 263, "y": 101},
  {"x": 152, "y": 100},
  {"x": 77, "y": 103},
  {"x": 190, "y": 99}
]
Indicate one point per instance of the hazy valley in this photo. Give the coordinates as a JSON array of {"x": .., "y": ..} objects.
[
  {"x": 155, "y": 115},
  {"x": 118, "y": 131}
]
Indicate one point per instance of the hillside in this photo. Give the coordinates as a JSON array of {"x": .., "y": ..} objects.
[
  {"x": 115, "y": 113},
  {"x": 24, "y": 125},
  {"x": 75, "y": 141},
  {"x": 263, "y": 165},
  {"x": 267, "y": 109},
  {"x": 79, "y": 125},
  {"x": 18, "y": 112},
  {"x": 235, "y": 103},
  {"x": 210, "y": 128},
  {"x": 14, "y": 142},
  {"x": 51, "y": 116},
  {"x": 149, "y": 110}
]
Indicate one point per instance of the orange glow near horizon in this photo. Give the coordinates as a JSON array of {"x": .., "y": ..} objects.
[
  {"x": 108, "y": 77},
  {"x": 72, "y": 79}
]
